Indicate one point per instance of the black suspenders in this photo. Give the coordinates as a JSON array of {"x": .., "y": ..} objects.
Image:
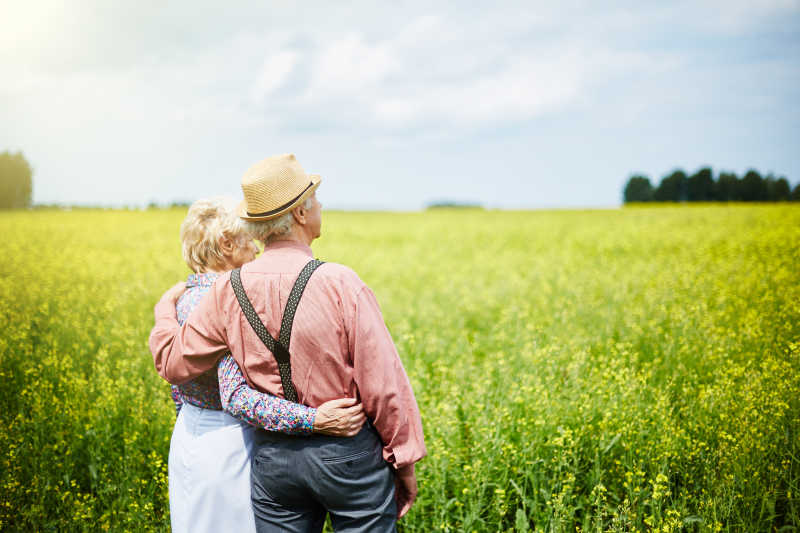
[{"x": 279, "y": 347}]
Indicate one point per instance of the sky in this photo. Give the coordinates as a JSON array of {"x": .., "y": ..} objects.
[{"x": 396, "y": 104}]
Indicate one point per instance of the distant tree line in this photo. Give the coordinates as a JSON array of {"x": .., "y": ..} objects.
[
  {"x": 451, "y": 204},
  {"x": 16, "y": 185},
  {"x": 702, "y": 187}
]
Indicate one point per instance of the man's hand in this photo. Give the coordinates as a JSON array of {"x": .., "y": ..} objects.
[
  {"x": 175, "y": 291},
  {"x": 405, "y": 485},
  {"x": 339, "y": 418}
]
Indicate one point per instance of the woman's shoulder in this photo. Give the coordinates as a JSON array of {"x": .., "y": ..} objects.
[
  {"x": 201, "y": 279},
  {"x": 197, "y": 286}
]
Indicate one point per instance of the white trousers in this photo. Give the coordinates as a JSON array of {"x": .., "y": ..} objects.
[{"x": 209, "y": 472}]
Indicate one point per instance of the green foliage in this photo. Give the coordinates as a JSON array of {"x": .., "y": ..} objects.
[
  {"x": 451, "y": 204},
  {"x": 727, "y": 187},
  {"x": 573, "y": 371},
  {"x": 778, "y": 190},
  {"x": 16, "y": 185},
  {"x": 673, "y": 188},
  {"x": 638, "y": 189},
  {"x": 753, "y": 188},
  {"x": 701, "y": 187}
]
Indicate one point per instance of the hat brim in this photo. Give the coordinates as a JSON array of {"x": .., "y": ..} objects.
[{"x": 242, "y": 212}]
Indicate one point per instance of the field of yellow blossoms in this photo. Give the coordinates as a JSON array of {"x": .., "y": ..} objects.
[{"x": 619, "y": 370}]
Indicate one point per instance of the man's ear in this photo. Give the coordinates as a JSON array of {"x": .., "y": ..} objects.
[{"x": 299, "y": 214}]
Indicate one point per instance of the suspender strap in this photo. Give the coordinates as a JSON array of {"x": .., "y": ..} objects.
[
  {"x": 294, "y": 299},
  {"x": 279, "y": 348}
]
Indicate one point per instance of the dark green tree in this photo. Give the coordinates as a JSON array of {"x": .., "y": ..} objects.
[
  {"x": 753, "y": 187},
  {"x": 700, "y": 186},
  {"x": 672, "y": 188},
  {"x": 784, "y": 190},
  {"x": 778, "y": 190},
  {"x": 638, "y": 189},
  {"x": 16, "y": 185},
  {"x": 796, "y": 193},
  {"x": 726, "y": 189}
]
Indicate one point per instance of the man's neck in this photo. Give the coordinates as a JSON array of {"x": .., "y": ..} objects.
[
  {"x": 299, "y": 234},
  {"x": 293, "y": 237}
]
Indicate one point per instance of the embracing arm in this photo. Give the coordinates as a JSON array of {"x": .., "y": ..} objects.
[
  {"x": 340, "y": 418},
  {"x": 259, "y": 408},
  {"x": 181, "y": 353}
]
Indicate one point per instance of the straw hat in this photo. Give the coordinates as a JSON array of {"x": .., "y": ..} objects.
[{"x": 275, "y": 186}]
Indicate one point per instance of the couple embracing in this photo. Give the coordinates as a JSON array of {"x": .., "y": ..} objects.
[{"x": 292, "y": 400}]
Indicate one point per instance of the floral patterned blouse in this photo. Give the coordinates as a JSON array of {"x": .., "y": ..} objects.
[{"x": 225, "y": 388}]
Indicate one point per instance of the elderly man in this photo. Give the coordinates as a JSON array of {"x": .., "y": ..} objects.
[{"x": 303, "y": 329}]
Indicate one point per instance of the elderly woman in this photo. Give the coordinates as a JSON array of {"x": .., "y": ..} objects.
[{"x": 209, "y": 457}]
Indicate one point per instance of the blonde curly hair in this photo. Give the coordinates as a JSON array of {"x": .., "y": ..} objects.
[{"x": 207, "y": 221}]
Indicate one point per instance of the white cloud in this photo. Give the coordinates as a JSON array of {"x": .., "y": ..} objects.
[
  {"x": 274, "y": 72},
  {"x": 140, "y": 84},
  {"x": 522, "y": 89},
  {"x": 429, "y": 71},
  {"x": 350, "y": 64},
  {"x": 733, "y": 16}
]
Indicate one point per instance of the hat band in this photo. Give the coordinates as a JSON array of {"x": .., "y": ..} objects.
[{"x": 284, "y": 206}]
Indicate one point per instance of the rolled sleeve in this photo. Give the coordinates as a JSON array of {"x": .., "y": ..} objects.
[
  {"x": 383, "y": 384},
  {"x": 181, "y": 353}
]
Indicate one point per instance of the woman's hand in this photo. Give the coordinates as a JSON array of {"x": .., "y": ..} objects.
[
  {"x": 405, "y": 485},
  {"x": 339, "y": 418},
  {"x": 175, "y": 292}
]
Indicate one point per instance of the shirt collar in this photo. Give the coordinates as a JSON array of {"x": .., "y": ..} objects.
[{"x": 201, "y": 279}]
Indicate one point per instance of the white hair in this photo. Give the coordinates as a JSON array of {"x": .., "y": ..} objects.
[
  {"x": 268, "y": 231},
  {"x": 207, "y": 221}
]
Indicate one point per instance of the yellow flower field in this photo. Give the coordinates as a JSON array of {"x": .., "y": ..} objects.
[{"x": 622, "y": 370}]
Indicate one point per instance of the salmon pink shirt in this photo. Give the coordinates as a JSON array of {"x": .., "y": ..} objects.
[{"x": 340, "y": 346}]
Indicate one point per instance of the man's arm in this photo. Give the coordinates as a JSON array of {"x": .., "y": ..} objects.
[
  {"x": 181, "y": 353},
  {"x": 383, "y": 384},
  {"x": 387, "y": 396}
]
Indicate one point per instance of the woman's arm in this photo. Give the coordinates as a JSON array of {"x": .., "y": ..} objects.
[
  {"x": 343, "y": 417},
  {"x": 176, "y": 397},
  {"x": 259, "y": 408}
]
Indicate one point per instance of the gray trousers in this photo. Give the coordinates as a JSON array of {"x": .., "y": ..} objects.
[{"x": 295, "y": 481}]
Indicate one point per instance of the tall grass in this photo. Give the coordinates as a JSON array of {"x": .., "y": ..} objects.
[{"x": 602, "y": 370}]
